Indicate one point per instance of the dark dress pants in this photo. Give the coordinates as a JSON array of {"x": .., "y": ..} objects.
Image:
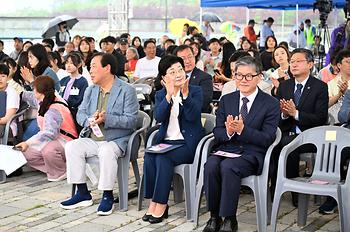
[
  {"x": 222, "y": 182},
  {"x": 158, "y": 171}
]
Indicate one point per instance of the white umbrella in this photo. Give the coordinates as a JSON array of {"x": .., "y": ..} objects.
[{"x": 52, "y": 27}]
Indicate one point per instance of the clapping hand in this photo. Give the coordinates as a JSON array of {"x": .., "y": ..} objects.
[
  {"x": 169, "y": 83},
  {"x": 288, "y": 108},
  {"x": 27, "y": 74},
  {"x": 184, "y": 87}
]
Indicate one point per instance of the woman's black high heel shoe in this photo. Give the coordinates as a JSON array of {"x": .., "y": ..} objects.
[
  {"x": 146, "y": 217},
  {"x": 154, "y": 220}
]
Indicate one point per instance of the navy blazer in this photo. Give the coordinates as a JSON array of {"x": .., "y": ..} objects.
[
  {"x": 259, "y": 127},
  {"x": 313, "y": 104},
  {"x": 189, "y": 116},
  {"x": 81, "y": 84},
  {"x": 205, "y": 81}
]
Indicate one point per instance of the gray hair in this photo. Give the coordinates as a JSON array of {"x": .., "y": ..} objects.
[
  {"x": 249, "y": 60},
  {"x": 134, "y": 50}
]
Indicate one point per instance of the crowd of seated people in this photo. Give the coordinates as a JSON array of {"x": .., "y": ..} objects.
[{"x": 251, "y": 92}]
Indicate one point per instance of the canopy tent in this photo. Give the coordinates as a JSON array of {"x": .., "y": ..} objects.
[
  {"x": 268, "y": 4},
  {"x": 271, "y": 4}
]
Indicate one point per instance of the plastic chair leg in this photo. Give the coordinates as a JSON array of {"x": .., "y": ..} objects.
[
  {"x": 2, "y": 176},
  {"x": 261, "y": 208},
  {"x": 178, "y": 189},
  {"x": 188, "y": 194},
  {"x": 275, "y": 208},
  {"x": 303, "y": 200},
  {"x": 140, "y": 195}
]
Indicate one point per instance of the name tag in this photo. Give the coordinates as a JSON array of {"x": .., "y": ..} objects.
[{"x": 74, "y": 92}]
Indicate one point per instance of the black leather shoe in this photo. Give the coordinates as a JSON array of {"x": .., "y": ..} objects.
[
  {"x": 213, "y": 224},
  {"x": 146, "y": 217},
  {"x": 154, "y": 220},
  {"x": 295, "y": 199},
  {"x": 229, "y": 225}
]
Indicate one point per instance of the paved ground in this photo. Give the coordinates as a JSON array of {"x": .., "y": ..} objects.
[{"x": 30, "y": 203}]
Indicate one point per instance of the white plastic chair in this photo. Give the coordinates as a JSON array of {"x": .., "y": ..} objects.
[
  {"x": 325, "y": 179},
  {"x": 185, "y": 175},
  {"x": 259, "y": 184}
]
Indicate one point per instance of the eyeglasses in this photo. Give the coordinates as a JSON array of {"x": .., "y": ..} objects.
[
  {"x": 173, "y": 72},
  {"x": 296, "y": 61},
  {"x": 248, "y": 77}
]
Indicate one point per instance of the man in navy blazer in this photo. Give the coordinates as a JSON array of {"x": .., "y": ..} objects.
[
  {"x": 197, "y": 76},
  {"x": 304, "y": 105},
  {"x": 246, "y": 125},
  {"x": 113, "y": 106}
]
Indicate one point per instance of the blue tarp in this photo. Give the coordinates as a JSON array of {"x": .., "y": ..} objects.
[{"x": 271, "y": 4}]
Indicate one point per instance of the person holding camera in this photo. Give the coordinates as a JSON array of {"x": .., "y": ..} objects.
[
  {"x": 62, "y": 35},
  {"x": 340, "y": 38}
]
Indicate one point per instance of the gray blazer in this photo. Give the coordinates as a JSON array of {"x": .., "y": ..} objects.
[{"x": 121, "y": 113}]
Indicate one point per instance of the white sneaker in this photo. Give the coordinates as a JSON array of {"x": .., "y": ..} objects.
[{"x": 63, "y": 177}]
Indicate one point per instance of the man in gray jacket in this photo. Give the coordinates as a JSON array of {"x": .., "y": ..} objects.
[{"x": 110, "y": 108}]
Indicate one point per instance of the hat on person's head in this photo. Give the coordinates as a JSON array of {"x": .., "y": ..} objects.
[
  {"x": 123, "y": 41},
  {"x": 19, "y": 39},
  {"x": 110, "y": 39}
]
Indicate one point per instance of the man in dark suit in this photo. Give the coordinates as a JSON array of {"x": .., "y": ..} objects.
[
  {"x": 304, "y": 105},
  {"x": 246, "y": 125},
  {"x": 109, "y": 48},
  {"x": 197, "y": 76}
]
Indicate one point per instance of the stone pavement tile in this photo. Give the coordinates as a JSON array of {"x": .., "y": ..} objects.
[
  {"x": 10, "y": 219},
  {"x": 247, "y": 217},
  {"x": 27, "y": 204},
  {"x": 88, "y": 226},
  {"x": 186, "y": 226},
  {"x": 333, "y": 224},
  {"x": 13, "y": 227},
  {"x": 34, "y": 211},
  {"x": 44, "y": 226},
  {"x": 114, "y": 220},
  {"x": 280, "y": 227},
  {"x": 134, "y": 226},
  {"x": 6, "y": 210}
]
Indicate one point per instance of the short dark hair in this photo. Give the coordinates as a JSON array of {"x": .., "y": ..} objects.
[
  {"x": 108, "y": 59},
  {"x": 169, "y": 40},
  {"x": 148, "y": 42},
  {"x": 124, "y": 35},
  {"x": 90, "y": 39},
  {"x": 181, "y": 48},
  {"x": 236, "y": 55},
  {"x": 49, "y": 42},
  {"x": 249, "y": 60},
  {"x": 2, "y": 42},
  {"x": 307, "y": 21},
  {"x": 342, "y": 55},
  {"x": 251, "y": 21},
  {"x": 270, "y": 19},
  {"x": 166, "y": 62},
  {"x": 307, "y": 53},
  {"x": 4, "y": 69},
  {"x": 110, "y": 39},
  {"x": 213, "y": 40}
]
